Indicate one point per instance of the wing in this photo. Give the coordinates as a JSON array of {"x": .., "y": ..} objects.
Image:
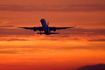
[
  {"x": 59, "y": 28},
  {"x": 33, "y": 28}
]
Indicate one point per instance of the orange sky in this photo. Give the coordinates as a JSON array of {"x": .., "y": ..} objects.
[{"x": 22, "y": 49}]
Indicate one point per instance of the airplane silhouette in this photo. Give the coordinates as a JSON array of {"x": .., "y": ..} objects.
[{"x": 45, "y": 28}]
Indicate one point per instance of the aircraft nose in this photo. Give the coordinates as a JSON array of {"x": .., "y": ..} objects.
[{"x": 41, "y": 20}]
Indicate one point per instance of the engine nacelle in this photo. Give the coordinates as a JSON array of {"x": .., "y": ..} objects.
[
  {"x": 54, "y": 29},
  {"x": 34, "y": 29}
]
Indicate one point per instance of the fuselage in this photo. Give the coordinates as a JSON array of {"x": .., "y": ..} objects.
[{"x": 45, "y": 26}]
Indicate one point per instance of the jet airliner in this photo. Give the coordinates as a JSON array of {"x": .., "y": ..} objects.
[{"x": 45, "y": 28}]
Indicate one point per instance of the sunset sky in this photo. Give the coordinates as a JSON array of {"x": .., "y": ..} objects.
[{"x": 22, "y": 49}]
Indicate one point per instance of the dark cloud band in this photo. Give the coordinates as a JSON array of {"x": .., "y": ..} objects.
[{"x": 68, "y": 8}]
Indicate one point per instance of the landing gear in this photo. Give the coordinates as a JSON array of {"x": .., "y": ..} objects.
[{"x": 40, "y": 33}]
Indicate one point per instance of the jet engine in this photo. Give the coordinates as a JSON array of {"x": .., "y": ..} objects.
[
  {"x": 34, "y": 29},
  {"x": 54, "y": 29}
]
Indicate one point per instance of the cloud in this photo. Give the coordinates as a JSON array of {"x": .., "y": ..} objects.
[
  {"x": 97, "y": 40},
  {"x": 84, "y": 32},
  {"x": 87, "y": 8},
  {"x": 8, "y": 52},
  {"x": 76, "y": 34},
  {"x": 87, "y": 31},
  {"x": 68, "y": 8},
  {"x": 12, "y": 39},
  {"x": 7, "y": 26},
  {"x": 3, "y": 17},
  {"x": 6, "y": 31},
  {"x": 68, "y": 48},
  {"x": 93, "y": 67}
]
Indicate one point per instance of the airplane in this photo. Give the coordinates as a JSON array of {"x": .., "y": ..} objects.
[{"x": 46, "y": 28}]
